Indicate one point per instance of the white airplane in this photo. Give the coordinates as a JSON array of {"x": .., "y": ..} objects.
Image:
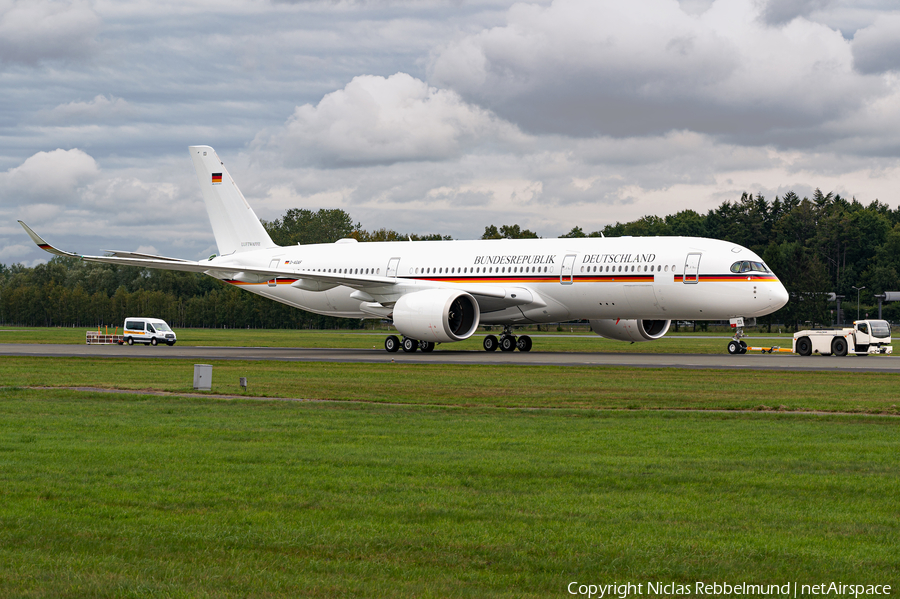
[{"x": 630, "y": 288}]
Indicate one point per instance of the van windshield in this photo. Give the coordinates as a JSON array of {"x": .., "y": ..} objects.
[
  {"x": 161, "y": 326},
  {"x": 880, "y": 328}
]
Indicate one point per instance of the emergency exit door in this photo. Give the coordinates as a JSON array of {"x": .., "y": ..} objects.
[
  {"x": 392, "y": 267},
  {"x": 273, "y": 265}
]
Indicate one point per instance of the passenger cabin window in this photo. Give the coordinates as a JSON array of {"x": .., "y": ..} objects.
[{"x": 134, "y": 325}]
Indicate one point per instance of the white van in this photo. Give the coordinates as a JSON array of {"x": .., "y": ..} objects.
[{"x": 147, "y": 330}]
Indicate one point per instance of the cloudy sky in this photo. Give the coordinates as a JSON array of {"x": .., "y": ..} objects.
[{"x": 434, "y": 116}]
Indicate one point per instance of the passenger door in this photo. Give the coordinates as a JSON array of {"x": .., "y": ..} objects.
[
  {"x": 568, "y": 267},
  {"x": 692, "y": 268}
]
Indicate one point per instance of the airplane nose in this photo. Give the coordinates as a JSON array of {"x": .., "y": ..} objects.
[{"x": 778, "y": 295}]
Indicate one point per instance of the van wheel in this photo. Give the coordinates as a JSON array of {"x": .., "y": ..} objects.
[
  {"x": 153, "y": 341},
  {"x": 170, "y": 343},
  {"x": 129, "y": 341}
]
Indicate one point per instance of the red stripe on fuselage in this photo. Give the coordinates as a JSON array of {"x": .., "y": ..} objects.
[{"x": 729, "y": 278}]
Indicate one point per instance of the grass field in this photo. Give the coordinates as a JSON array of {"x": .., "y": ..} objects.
[
  {"x": 585, "y": 387},
  {"x": 438, "y": 480},
  {"x": 141, "y": 496},
  {"x": 575, "y": 338}
]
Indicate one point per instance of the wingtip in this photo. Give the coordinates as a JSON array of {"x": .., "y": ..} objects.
[
  {"x": 39, "y": 241},
  {"x": 34, "y": 236}
]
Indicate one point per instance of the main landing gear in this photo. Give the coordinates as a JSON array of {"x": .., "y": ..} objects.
[
  {"x": 736, "y": 346},
  {"x": 393, "y": 344},
  {"x": 507, "y": 342}
]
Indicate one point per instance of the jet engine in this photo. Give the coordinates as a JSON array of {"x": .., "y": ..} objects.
[
  {"x": 631, "y": 330},
  {"x": 440, "y": 315}
]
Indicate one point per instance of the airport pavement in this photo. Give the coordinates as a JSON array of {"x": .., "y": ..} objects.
[{"x": 298, "y": 354}]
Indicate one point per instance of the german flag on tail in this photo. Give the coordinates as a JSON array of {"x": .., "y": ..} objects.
[{"x": 217, "y": 178}]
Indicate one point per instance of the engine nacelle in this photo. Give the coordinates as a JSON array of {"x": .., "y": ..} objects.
[
  {"x": 440, "y": 315},
  {"x": 631, "y": 330}
]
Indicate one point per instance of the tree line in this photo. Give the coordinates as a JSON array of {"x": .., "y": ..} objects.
[{"x": 819, "y": 245}]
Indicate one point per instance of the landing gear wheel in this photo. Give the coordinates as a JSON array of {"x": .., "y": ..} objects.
[
  {"x": 523, "y": 343},
  {"x": 839, "y": 346},
  {"x": 743, "y": 347},
  {"x": 129, "y": 341},
  {"x": 734, "y": 347},
  {"x": 410, "y": 345},
  {"x": 426, "y": 346},
  {"x": 507, "y": 343},
  {"x": 804, "y": 346},
  {"x": 490, "y": 343},
  {"x": 392, "y": 343},
  {"x": 153, "y": 341}
]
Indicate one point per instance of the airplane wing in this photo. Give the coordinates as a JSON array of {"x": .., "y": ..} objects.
[
  {"x": 512, "y": 296},
  {"x": 122, "y": 254},
  {"x": 122, "y": 258}
]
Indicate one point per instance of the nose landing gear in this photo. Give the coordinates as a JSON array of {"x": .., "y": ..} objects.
[{"x": 736, "y": 346}]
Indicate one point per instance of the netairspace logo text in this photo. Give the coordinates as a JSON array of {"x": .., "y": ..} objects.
[{"x": 721, "y": 589}]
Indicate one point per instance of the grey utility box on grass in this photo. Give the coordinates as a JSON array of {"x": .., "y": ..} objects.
[{"x": 203, "y": 377}]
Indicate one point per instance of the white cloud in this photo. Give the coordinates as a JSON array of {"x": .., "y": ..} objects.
[
  {"x": 100, "y": 109},
  {"x": 378, "y": 120},
  {"x": 10, "y": 253},
  {"x": 779, "y": 12},
  {"x": 411, "y": 116},
  {"x": 876, "y": 48},
  {"x": 588, "y": 67},
  {"x": 48, "y": 177},
  {"x": 32, "y": 31}
]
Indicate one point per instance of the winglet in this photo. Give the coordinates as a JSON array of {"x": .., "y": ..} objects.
[{"x": 44, "y": 245}]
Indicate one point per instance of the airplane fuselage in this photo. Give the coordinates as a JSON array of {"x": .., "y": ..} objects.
[{"x": 585, "y": 278}]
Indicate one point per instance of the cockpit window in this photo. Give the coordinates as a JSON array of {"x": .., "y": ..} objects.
[{"x": 747, "y": 266}]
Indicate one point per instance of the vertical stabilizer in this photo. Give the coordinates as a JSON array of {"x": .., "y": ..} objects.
[{"x": 235, "y": 225}]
